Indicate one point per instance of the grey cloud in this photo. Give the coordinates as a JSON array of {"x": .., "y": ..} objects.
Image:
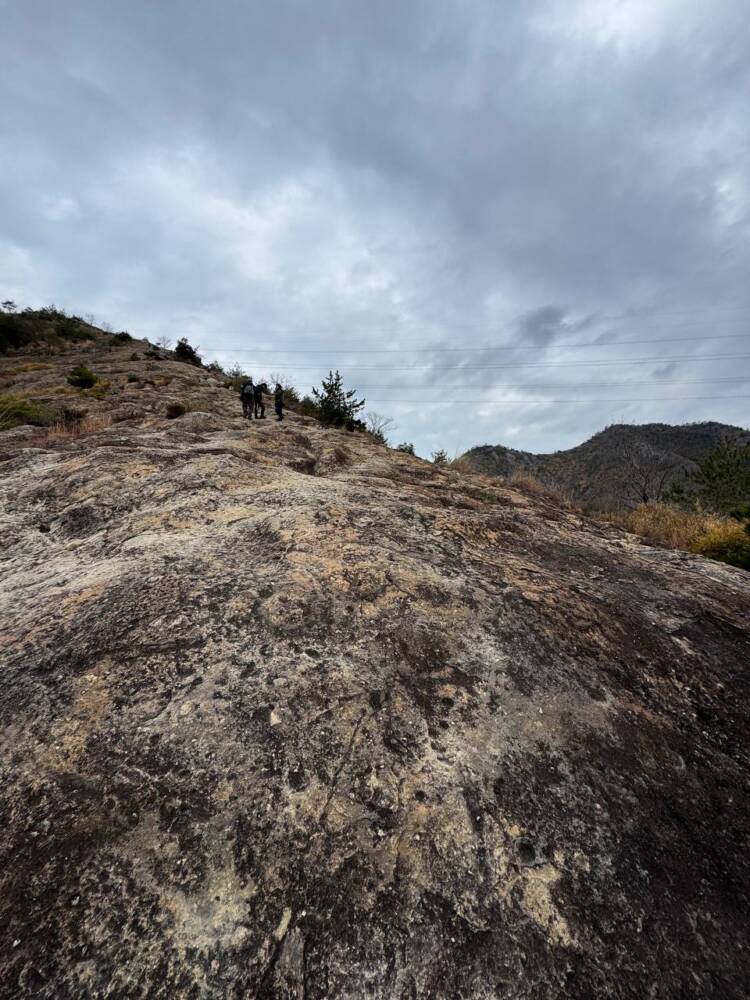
[
  {"x": 543, "y": 325},
  {"x": 440, "y": 175}
]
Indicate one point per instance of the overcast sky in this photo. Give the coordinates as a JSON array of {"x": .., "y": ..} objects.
[{"x": 287, "y": 181}]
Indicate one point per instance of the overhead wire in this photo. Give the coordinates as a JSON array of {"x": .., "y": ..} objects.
[
  {"x": 462, "y": 350},
  {"x": 482, "y": 401},
  {"x": 535, "y": 364}
]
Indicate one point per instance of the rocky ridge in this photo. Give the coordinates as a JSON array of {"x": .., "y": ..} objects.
[{"x": 288, "y": 714}]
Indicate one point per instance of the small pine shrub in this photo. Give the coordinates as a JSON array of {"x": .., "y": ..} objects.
[
  {"x": 337, "y": 406},
  {"x": 407, "y": 447},
  {"x": 123, "y": 335},
  {"x": 132, "y": 377},
  {"x": 175, "y": 410},
  {"x": 135, "y": 356},
  {"x": 82, "y": 377},
  {"x": 186, "y": 352}
]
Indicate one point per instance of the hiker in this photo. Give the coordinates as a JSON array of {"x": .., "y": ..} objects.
[
  {"x": 259, "y": 405},
  {"x": 247, "y": 395},
  {"x": 278, "y": 396}
]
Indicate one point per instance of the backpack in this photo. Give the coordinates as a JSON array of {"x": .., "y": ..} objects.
[{"x": 247, "y": 391}]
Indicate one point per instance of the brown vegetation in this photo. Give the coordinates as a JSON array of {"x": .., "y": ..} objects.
[
  {"x": 63, "y": 428},
  {"x": 527, "y": 483},
  {"x": 701, "y": 532}
]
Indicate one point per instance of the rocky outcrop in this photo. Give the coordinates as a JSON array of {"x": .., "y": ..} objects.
[{"x": 288, "y": 714}]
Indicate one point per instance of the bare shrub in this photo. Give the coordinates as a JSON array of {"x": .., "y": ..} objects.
[{"x": 378, "y": 425}]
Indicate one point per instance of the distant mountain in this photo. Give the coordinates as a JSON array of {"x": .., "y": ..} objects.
[{"x": 596, "y": 472}]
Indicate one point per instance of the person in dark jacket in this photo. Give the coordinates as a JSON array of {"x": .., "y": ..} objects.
[
  {"x": 247, "y": 395},
  {"x": 258, "y": 404},
  {"x": 278, "y": 398}
]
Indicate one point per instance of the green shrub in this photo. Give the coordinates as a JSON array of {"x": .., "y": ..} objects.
[
  {"x": 123, "y": 335},
  {"x": 175, "y": 410},
  {"x": 13, "y": 332},
  {"x": 720, "y": 483},
  {"x": 135, "y": 356},
  {"x": 187, "y": 353},
  {"x": 336, "y": 405},
  {"x": 82, "y": 377},
  {"x": 132, "y": 377},
  {"x": 70, "y": 328},
  {"x": 407, "y": 447},
  {"x": 16, "y": 410},
  {"x": 309, "y": 408}
]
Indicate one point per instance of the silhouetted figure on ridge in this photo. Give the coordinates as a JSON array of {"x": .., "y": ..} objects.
[
  {"x": 258, "y": 404},
  {"x": 247, "y": 395}
]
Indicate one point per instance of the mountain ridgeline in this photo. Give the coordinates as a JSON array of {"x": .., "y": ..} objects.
[{"x": 600, "y": 474}]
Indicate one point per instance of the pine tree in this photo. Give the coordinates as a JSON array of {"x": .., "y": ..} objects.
[
  {"x": 720, "y": 483},
  {"x": 336, "y": 405},
  {"x": 723, "y": 479},
  {"x": 186, "y": 352}
]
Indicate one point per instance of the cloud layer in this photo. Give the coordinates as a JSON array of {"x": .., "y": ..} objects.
[{"x": 394, "y": 188}]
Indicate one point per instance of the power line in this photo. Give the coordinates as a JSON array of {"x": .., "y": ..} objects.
[
  {"x": 531, "y": 364},
  {"x": 558, "y": 385},
  {"x": 462, "y": 350},
  {"x": 481, "y": 402}
]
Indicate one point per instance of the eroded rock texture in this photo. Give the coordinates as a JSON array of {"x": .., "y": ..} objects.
[{"x": 287, "y": 714}]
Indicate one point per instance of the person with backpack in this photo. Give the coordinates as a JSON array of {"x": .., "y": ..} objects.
[
  {"x": 258, "y": 404},
  {"x": 247, "y": 395},
  {"x": 278, "y": 396}
]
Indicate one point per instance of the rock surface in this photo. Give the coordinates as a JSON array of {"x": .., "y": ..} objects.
[{"x": 287, "y": 714}]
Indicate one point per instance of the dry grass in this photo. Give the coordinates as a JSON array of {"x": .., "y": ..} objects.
[
  {"x": 463, "y": 465},
  {"x": 28, "y": 366},
  {"x": 665, "y": 525},
  {"x": 728, "y": 541},
  {"x": 528, "y": 483},
  {"x": 65, "y": 429},
  {"x": 692, "y": 531}
]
